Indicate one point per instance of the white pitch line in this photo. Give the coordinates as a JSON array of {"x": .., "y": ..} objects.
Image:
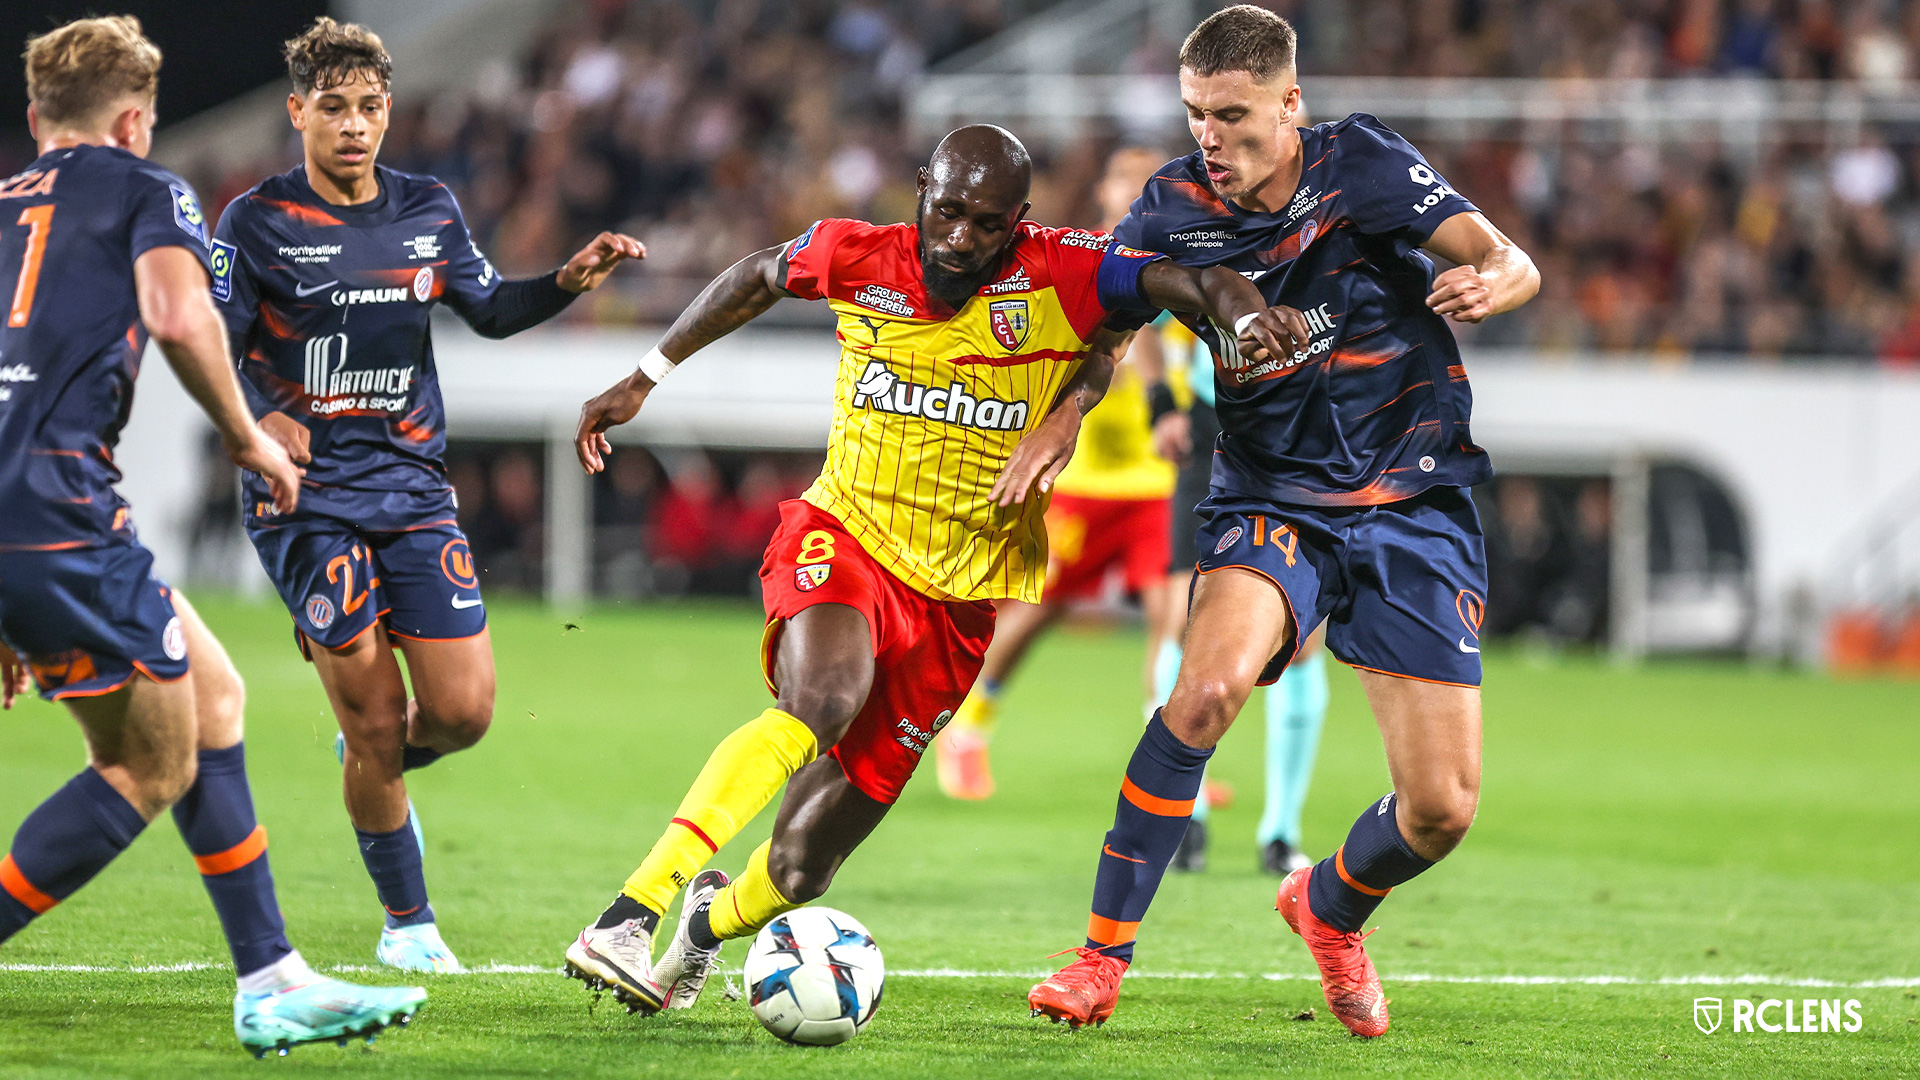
[
  {"x": 1889, "y": 983},
  {"x": 1478, "y": 980}
]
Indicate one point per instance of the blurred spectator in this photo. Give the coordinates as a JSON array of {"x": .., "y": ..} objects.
[
  {"x": 716, "y": 128},
  {"x": 689, "y": 525},
  {"x": 1549, "y": 543},
  {"x": 505, "y": 523},
  {"x": 623, "y": 501}
]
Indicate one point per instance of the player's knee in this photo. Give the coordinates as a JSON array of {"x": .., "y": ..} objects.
[
  {"x": 1439, "y": 820},
  {"x": 162, "y": 779},
  {"x": 827, "y": 706},
  {"x": 1203, "y": 711},
  {"x": 797, "y": 881},
  {"x": 458, "y": 726},
  {"x": 220, "y": 698}
]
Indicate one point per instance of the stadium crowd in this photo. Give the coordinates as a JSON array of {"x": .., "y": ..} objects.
[
  {"x": 715, "y": 128},
  {"x": 711, "y": 129}
]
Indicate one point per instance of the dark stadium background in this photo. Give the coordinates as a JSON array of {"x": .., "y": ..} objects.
[{"x": 214, "y": 49}]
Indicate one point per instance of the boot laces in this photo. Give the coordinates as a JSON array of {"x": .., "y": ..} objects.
[{"x": 1094, "y": 969}]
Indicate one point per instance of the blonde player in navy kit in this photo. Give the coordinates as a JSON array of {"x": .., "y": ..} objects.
[
  {"x": 327, "y": 275},
  {"x": 99, "y": 249}
]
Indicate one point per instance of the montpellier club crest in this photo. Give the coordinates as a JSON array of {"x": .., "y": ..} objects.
[
  {"x": 1706, "y": 1015},
  {"x": 1009, "y": 321}
]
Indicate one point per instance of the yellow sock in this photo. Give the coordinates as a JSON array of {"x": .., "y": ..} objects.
[
  {"x": 977, "y": 713},
  {"x": 742, "y": 776},
  {"x": 750, "y": 903}
]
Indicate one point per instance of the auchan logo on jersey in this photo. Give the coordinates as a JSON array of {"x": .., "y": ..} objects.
[{"x": 882, "y": 389}]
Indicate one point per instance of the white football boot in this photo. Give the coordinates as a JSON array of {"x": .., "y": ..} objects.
[
  {"x": 683, "y": 969},
  {"x": 617, "y": 958}
]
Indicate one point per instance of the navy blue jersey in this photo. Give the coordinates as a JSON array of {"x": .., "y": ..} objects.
[
  {"x": 1375, "y": 409},
  {"x": 71, "y": 227},
  {"x": 329, "y": 309}
]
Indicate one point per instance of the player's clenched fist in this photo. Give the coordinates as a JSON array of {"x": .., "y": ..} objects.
[
  {"x": 1277, "y": 331},
  {"x": 1462, "y": 295}
]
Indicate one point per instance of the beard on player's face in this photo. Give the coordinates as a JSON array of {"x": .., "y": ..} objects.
[{"x": 950, "y": 276}]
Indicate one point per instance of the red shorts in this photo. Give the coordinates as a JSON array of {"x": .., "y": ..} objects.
[
  {"x": 1088, "y": 537},
  {"x": 926, "y": 652}
]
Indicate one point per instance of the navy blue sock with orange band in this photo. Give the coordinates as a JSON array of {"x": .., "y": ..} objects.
[
  {"x": 1156, "y": 802},
  {"x": 215, "y": 818},
  {"x": 1347, "y": 885},
  {"x": 61, "y": 846},
  {"x": 393, "y": 862}
]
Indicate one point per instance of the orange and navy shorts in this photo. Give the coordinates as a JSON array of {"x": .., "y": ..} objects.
[
  {"x": 1089, "y": 537},
  {"x": 926, "y": 652},
  {"x": 86, "y": 619},
  {"x": 337, "y": 580}
]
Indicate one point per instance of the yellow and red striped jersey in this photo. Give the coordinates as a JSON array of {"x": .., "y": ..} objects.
[{"x": 929, "y": 402}]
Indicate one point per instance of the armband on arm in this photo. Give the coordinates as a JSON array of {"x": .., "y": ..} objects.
[
  {"x": 1160, "y": 401},
  {"x": 655, "y": 365}
]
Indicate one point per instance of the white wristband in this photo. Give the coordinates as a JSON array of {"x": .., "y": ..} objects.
[
  {"x": 1240, "y": 324},
  {"x": 655, "y": 364}
]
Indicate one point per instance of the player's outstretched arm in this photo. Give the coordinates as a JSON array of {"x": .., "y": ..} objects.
[
  {"x": 729, "y": 302},
  {"x": 1230, "y": 300},
  {"x": 1491, "y": 275},
  {"x": 178, "y": 312}
]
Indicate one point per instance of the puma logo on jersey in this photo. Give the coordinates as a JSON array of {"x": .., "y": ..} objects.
[{"x": 882, "y": 389}]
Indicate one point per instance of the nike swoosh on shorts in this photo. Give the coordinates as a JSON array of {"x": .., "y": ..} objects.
[
  {"x": 462, "y": 602},
  {"x": 1464, "y": 647}
]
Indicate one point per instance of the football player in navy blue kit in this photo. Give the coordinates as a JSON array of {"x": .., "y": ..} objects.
[
  {"x": 1339, "y": 493},
  {"x": 98, "y": 250},
  {"x": 327, "y": 274}
]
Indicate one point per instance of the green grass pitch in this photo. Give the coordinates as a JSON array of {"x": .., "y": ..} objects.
[{"x": 1684, "y": 822}]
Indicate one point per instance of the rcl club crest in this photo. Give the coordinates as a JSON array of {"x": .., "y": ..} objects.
[
  {"x": 809, "y": 578},
  {"x": 1009, "y": 321}
]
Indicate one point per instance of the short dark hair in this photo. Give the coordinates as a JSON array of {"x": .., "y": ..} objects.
[
  {"x": 1240, "y": 38},
  {"x": 330, "y": 53}
]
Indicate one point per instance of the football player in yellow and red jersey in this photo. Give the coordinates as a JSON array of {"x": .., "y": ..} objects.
[
  {"x": 959, "y": 397},
  {"x": 1111, "y": 510}
]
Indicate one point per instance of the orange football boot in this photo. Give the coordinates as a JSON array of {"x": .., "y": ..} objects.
[
  {"x": 1083, "y": 992},
  {"x": 1219, "y": 794},
  {"x": 961, "y": 757},
  {"x": 1347, "y": 977}
]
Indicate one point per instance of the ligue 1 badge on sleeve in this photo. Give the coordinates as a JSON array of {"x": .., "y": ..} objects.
[
  {"x": 1706, "y": 1015},
  {"x": 222, "y": 257}
]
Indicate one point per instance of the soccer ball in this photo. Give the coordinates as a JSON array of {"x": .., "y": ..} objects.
[{"x": 814, "y": 976}]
